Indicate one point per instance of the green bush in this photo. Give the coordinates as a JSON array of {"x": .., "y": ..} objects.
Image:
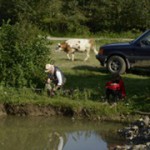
[{"x": 23, "y": 55}]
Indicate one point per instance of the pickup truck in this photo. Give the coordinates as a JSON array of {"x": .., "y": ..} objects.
[{"x": 119, "y": 57}]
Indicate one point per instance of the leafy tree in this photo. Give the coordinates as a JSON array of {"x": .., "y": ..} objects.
[
  {"x": 98, "y": 17},
  {"x": 23, "y": 55},
  {"x": 59, "y": 17},
  {"x": 135, "y": 14}
]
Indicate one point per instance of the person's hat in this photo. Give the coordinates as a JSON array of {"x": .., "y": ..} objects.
[{"x": 48, "y": 67}]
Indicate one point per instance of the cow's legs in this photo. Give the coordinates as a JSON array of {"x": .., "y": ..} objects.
[
  {"x": 68, "y": 56},
  {"x": 87, "y": 55},
  {"x": 95, "y": 51},
  {"x": 72, "y": 56}
]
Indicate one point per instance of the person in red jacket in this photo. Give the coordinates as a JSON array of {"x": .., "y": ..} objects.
[{"x": 115, "y": 88}]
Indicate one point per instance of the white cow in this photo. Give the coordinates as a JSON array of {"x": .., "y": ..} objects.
[{"x": 77, "y": 45}]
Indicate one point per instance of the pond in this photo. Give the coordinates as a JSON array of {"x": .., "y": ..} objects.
[{"x": 56, "y": 133}]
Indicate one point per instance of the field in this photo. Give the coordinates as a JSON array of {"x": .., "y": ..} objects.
[
  {"x": 87, "y": 82},
  {"x": 90, "y": 78}
]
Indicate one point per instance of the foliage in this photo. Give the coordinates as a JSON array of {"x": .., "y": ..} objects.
[
  {"x": 61, "y": 17},
  {"x": 23, "y": 55}
]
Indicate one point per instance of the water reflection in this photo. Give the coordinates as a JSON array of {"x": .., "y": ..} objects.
[
  {"x": 39, "y": 133},
  {"x": 85, "y": 141}
]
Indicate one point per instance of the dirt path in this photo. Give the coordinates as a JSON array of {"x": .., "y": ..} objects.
[{"x": 97, "y": 39}]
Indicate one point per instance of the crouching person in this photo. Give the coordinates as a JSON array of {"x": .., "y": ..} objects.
[
  {"x": 115, "y": 89},
  {"x": 55, "y": 79}
]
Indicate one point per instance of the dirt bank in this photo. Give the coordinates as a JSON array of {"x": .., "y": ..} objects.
[
  {"x": 35, "y": 110},
  {"x": 30, "y": 110},
  {"x": 48, "y": 110}
]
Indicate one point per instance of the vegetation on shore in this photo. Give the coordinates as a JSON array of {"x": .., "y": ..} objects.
[
  {"x": 23, "y": 57},
  {"x": 87, "y": 81}
]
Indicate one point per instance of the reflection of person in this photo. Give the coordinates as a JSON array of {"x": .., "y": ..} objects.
[
  {"x": 61, "y": 142},
  {"x": 56, "y": 141},
  {"x": 115, "y": 88},
  {"x": 55, "y": 79}
]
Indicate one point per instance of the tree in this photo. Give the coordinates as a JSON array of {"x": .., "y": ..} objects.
[
  {"x": 135, "y": 14},
  {"x": 60, "y": 17},
  {"x": 23, "y": 55}
]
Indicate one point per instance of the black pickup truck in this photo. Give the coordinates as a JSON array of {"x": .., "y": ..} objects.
[{"x": 119, "y": 57}]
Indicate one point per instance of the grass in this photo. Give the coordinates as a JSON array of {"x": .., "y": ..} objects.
[{"x": 88, "y": 80}]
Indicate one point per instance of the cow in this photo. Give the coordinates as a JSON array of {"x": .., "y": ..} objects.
[{"x": 77, "y": 45}]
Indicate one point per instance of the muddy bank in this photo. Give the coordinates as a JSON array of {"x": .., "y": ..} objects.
[
  {"x": 41, "y": 110},
  {"x": 48, "y": 110},
  {"x": 30, "y": 110}
]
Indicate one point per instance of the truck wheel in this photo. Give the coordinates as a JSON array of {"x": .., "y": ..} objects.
[{"x": 116, "y": 64}]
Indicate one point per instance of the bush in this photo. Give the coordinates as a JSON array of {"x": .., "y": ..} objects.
[{"x": 23, "y": 55}]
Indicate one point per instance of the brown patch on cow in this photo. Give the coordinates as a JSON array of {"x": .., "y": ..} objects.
[
  {"x": 92, "y": 42},
  {"x": 93, "y": 45},
  {"x": 65, "y": 47}
]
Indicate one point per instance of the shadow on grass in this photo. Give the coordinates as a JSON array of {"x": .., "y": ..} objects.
[
  {"x": 136, "y": 70},
  {"x": 141, "y": 103},
  {"x": 140, "y": 71},
  {"x": 91, "y": 68},
  {"x": 93, "y": 84},
  {"x": 87, "y": 85},
  {"x": 76, "y": 60}
]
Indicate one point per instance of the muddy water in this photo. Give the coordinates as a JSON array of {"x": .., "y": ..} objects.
[{"x": 40, "y": 133}]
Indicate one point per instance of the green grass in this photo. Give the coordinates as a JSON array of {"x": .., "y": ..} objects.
[{"x": 88, "y": 79}]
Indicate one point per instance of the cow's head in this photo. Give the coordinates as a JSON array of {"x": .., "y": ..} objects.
[
  {"x": 58, "y": 47},
  {"x": 62, "y": 47}
]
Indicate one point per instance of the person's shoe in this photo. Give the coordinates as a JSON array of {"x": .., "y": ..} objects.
[
  {"x": 105, "y": 103},
  {"x": 113, "y": 105}
]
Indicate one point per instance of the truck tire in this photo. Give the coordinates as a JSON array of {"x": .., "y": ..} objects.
[{"x": 116, "y": 64}]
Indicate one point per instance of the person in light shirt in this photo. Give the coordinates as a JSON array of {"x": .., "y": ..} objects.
[{"x": 55, "y": 79}]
